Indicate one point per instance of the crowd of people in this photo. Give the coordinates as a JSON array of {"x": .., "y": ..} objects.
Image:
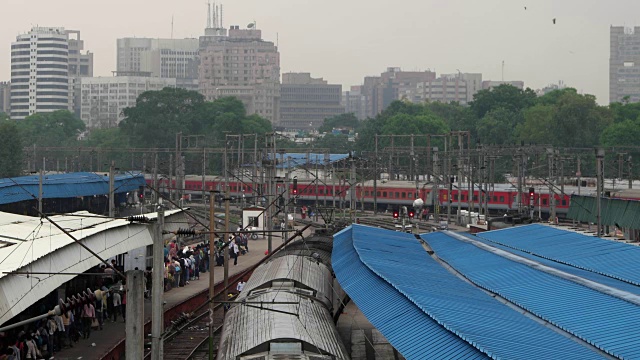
[{"x": 43, "y": 338}]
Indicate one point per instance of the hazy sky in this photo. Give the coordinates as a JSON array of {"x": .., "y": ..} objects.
[{"x": 345, "y": 40}]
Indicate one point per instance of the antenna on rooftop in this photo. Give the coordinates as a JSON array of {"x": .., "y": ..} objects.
[
  {"x": 172, "y": 26},
  {"x": 502, "y": 70},
  {"x": 208, "y": 15},
  {"x": 220, "y": 16}
]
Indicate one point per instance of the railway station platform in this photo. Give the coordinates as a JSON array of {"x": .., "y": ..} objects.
[{"x": 103, "y": 341}]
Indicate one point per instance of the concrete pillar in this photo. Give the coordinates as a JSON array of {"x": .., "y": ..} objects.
[{"x": 134, "y": 330}]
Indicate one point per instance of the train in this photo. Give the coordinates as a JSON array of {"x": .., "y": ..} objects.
[
  {"x": 288, "y": 308},
  {"x": 392, "y": 194}
]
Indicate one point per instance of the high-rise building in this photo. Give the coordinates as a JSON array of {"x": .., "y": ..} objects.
[
  {"x": 163, "y": 58},
  {"x": 45, "y": 65},
  {"x": 354, "y": 102},
  {"x": 624, "y": 64},
  {"x": 104, "y": 98},
  {"x": 5, "y": 97},
  {"x": 241, "y": 64},
  {"x": 305, "y": 101},
  {"x": 380, "y": 91}
]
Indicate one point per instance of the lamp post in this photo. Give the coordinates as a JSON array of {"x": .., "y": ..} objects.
[{"x": 599, "y": 180}]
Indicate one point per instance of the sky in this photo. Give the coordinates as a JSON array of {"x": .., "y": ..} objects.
[{"x": 344, "y": 41}]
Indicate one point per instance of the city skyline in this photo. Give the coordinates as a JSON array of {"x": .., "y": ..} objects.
[{"x": 344, "y": 42}]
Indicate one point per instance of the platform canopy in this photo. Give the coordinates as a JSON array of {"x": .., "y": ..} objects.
[
  {"x": 31, "y": 244},
  {"x": 67, "y": 185}
]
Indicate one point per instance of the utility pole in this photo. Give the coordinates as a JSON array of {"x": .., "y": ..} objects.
[
  {"x": 204, "y": 168},
  {"x": 578, "y": 175},
  {"x": 212, "y": 283},
  {"x": 315, "y": 212},
  {"x": 155, "y": 178},
  {"x": 157, "y": 311},
  {"x": 226, "y": 251},
  {"x": 552, "y": 192},
  {"x": 460, "y": 165},
  {"x": 134, "y": 327},
  {"x": 352, "y": 189},
  {"x": 111, "y": 189},
  {"x": 40, "y": 193},
  {"x": 170, "y": 186},
  {"x": 255, "y": 170},
  {"x": 629, "y": 172},
  {"x": 599, "y": 184},
  {"x": 375, "y": 180},
  {"x": 447, "y": 175}
]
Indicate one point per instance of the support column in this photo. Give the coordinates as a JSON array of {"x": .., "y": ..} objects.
[
  {"x": 157, "y": 290},
  {"x": 134, "y": 328}
]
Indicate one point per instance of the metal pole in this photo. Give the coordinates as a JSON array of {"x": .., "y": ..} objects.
[
  {"x": 204, "y": 168},
  {"x": 599, "y": 161},
  {"x": 352, "y": 189},
  {"x": 155, "y": 178},
  {"x": 375, "y": 180},
  {"x": 134, "y": 328},
  {"x": 315, "y": 212},
  {"x": 447, "y": 165},
  {"x": 212, "y": 236},
  {"x": 111, "y": 189},
  {"x": 255, "y": 169},
  {"x": 170, "y": 186},
  {"x": 40, "y": 193},
  {"x": 629, "y": 172},
  {"x": 226, "y": 252},
  {"x": 157, "y": 289}
]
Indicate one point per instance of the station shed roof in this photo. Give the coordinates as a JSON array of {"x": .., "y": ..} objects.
[
  {"x": 32, "y": 244},
  {"x": 67, "y": 185},
  {"x": 287, "y": 160},
  {"x": 462, "y": 310}
]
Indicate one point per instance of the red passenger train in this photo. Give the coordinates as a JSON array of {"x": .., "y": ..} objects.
[{"x": 391, "y": 194}]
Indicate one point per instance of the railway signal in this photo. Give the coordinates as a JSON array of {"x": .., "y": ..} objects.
[
  {"x": 411, "y": 214},
  {"x": 396, "y": 214},
  {"x": 294, "y": 190},
  {"x": 532, "y": 193}
]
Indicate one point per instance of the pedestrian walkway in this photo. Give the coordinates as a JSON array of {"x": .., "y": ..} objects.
[{"x": 102, "y": 341}]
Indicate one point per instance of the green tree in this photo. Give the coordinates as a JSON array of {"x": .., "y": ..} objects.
[
  {"x": 159, "y": 115},
  {"x": 503, "y": 96},
  {"x": 340, "y": 121},
  {"x": 338, "y": 143},
  {"x": 624, "y": 111},
  {"x": 538, "y": 122},
  {"x": 456, "y": 116},
  {"x": 551, "y": 98},
  {"x": 579, "y": 121},
  {"x": 498, "y": 126},
  {"x": 624, "y": 133},
  {"x": 10, "y": 149},
  {"x": 58, "y": 128}
]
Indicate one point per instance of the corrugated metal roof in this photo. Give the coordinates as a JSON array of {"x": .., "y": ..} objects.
[
  {"x": 246, "y": 328},
  {"x": 43, "y": 248},
  {"x": 65, "y": 186},
  {"x": 306, "y": 159},
  {"x": 411, "y": 331},
  {"x": 611, "y": 258},
  {"x": 302, "y": 269},
  {"x": 473, "y": 315},
  {"x": 599, "y": 319}
]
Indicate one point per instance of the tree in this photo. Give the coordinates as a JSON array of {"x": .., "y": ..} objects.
[
  {"x": 340, "y": 121},
  {"x": 159, "y": 115},
  {"x": 337, "y": 143},
  {"x": 58, "y": 128},
  {"x": 456, "y": 116},
  {"x": 578, "y": 121},
  {"x": 503, "y": 96},
  {"x": 624, "y": 111},
  {"x": 552, "y": 97},
  {"x": 538, "y": 122},
  {"x": 498, "y": 126},
  {"x": 624, "y": 133},
  {"x": 10, "y": 149}
]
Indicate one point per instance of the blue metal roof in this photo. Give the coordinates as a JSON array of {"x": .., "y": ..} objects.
[
  {"x": 615, "y": 259},
  {"x": 602, "y": 320},
  {"x": 414, "y": 334},
  {"x": 473, "y": 315},
  {"x": 65, "y": 186},
  {"x": 308, "y": 159}
]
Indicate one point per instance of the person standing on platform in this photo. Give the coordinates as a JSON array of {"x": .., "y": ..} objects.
[
  {"x": 88, "y": 314},
  {"x": 240, "y": 286},
  {"x": 117, "y": 302}
]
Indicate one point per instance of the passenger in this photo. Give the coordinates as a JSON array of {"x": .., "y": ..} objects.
[
  {"x": 88, "y": 314},
  {"x": 117, "y": 303},
  {"x": 240, "y": 286}
]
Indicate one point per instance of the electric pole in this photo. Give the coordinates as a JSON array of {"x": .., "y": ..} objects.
[
  {"x": 111, "y": 190},
  {"x": 212, "y": 236},
  {"x": 157, "y": 311}
]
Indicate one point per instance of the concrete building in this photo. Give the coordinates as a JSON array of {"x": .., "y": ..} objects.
[
  {"x": 104, "y": 98},
  {"x": 5, "y": 97},
  {"x": 354, "y": 102},
  {"x": 550, "y": 88},
  {"x": 163, "y": 58},
  {"x": 241, "y": 63},
  {"x": 45, "y": 65},
  {"x": 380, "y": 91},
  {"x": 488, "y": 84},
  {"x": 305, "y": 101},
  {"x": 447, "y": 88},
  {"x": 624, "y": 63}
]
